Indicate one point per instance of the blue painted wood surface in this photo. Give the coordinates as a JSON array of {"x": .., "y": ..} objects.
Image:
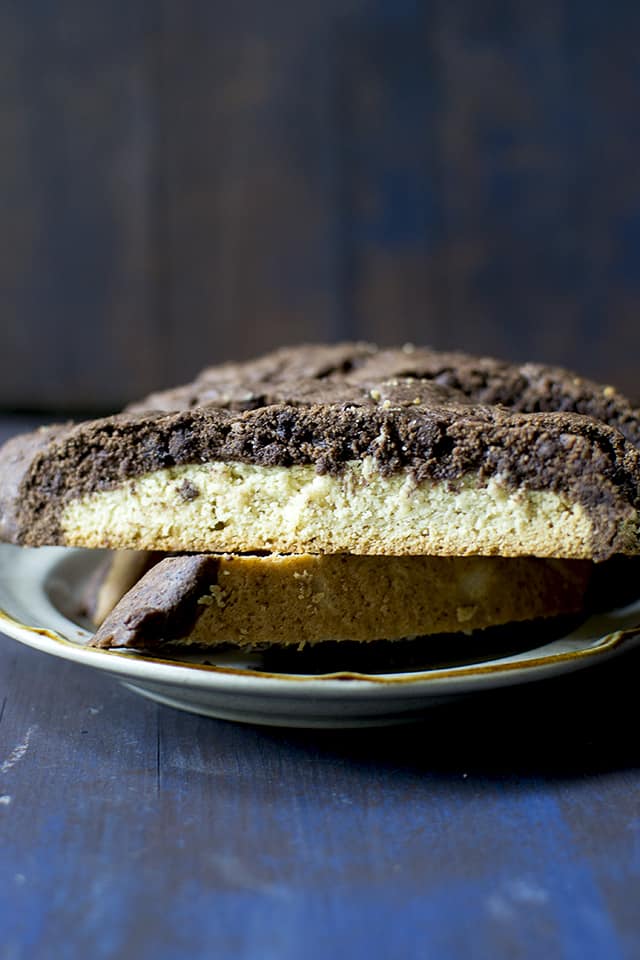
[
  {"x": 191, "y": 181},
  {"x": 507, "y": 826}
]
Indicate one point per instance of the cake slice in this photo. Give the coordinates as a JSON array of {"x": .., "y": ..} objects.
[
  {"x": 343, "y": 449},
  {"x": 255, "y": 602}
]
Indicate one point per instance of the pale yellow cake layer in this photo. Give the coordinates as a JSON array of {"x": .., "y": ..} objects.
[{"x": 233, "y": 507}]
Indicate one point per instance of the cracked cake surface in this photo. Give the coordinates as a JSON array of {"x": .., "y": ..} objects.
[{"x": 345, "y": 448}]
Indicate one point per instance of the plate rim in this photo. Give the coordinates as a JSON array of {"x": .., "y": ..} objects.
[{"x": 219, "y": 678}]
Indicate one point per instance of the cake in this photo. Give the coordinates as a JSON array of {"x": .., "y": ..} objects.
[
  {"x": 295, "y": 601},
  {"x": 337, "y": 492},
  {"x": 343, "y": 449}
]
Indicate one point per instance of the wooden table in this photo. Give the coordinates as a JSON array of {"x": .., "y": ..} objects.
[{"x": 504, "y": 826}]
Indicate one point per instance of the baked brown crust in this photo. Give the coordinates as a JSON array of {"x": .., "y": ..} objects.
[
  {"x": 299, "y": 376},
  {"x": 435, "y": 417},
  {"x": 112, "y": 579},
  {"x": 299, "y": 600}
]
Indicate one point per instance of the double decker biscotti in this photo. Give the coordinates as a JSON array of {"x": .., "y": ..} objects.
[{"x": 342, "y": 449}]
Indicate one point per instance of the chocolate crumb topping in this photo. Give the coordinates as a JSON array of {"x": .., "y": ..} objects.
[{"x": 437, "y": 416}]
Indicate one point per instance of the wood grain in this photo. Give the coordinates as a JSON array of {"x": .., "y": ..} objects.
[
  {"x": 541, "y": 191},
  {"x": 253, "y": 185},
  {"x": 77, "y": 169},
  {"x": 503, "y": 826},
  {"x": 184, "y": 183}
]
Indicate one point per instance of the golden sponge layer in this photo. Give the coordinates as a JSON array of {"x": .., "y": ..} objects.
[{"x": 240, "y": 508}]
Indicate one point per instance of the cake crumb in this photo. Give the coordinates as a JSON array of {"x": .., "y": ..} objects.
[
  {"x": 216, "y": 595},
  {"x": 188, "y": 490}
]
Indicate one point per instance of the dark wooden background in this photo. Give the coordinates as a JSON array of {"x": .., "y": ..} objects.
[{"x": 186, "y": 181}]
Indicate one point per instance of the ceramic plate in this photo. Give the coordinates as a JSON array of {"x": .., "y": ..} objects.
[{"x": 336, "y": 687}]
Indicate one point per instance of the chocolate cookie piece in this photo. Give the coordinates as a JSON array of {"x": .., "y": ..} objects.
[
  {"x": 294, "y": 601},
  {"x": 115, "y": 576},
  {"x": 342, "y": 449},
  {"x": 163, "y": 609}
]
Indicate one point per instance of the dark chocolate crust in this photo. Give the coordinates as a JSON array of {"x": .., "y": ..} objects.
[
  {"x": 300, "y": 376},
  {"x": 438, "y": 416},
  {"x": 17, "y": 457},
  {"x": 163, "y": 605}
]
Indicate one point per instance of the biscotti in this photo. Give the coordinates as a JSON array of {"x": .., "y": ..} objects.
[
  {"x": 294, "y": 601},
  {"x": 343, "y": 449}
]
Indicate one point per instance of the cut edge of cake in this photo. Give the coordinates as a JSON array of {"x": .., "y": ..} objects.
[{"x": 295, "y": 601}]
